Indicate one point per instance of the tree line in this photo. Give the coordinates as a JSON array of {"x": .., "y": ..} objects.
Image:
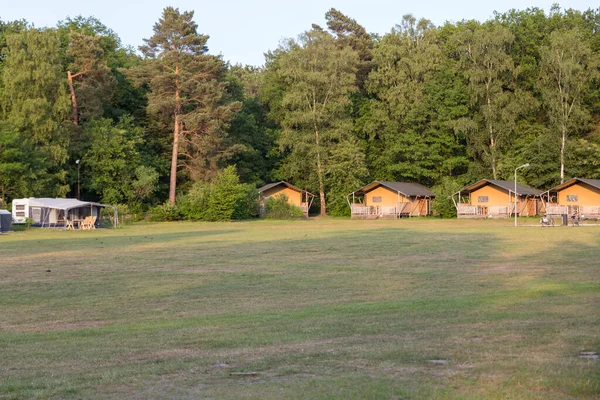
[{"x": 330, "y": 111}]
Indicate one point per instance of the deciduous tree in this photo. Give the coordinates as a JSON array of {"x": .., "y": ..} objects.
[
  {"x": 490, "y": 69},
  {"x": 567, "y": 69},
  {"x": 35, "y": 102},
  {"x": 319, "y": 77}
]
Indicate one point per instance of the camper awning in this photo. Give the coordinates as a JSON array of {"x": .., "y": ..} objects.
[{"x": 63, "y": 204}]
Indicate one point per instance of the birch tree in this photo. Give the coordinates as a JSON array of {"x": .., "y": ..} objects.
[
  {"x": 319, "y": 77},
  {"x": 490, "y": 69},
  {"x": 567, "y": 69}
]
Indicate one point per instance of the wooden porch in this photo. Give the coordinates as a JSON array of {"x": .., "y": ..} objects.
[
  {"x": 529, "y": 208},
  {"x": 581, "y": 211},
  {"x": 406, "y": 209}
]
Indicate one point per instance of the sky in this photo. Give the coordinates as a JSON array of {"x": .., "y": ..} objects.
[{"x": 242, "y": 31}]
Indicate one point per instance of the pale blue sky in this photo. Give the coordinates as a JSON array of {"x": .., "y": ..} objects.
[{"x": 243, "y": 30}]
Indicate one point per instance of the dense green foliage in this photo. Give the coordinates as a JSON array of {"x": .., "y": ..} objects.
[
  {"x": 330, "y": 111},
  {"x": 278, "y": 207},
  {"x": 223, "y": 199}
]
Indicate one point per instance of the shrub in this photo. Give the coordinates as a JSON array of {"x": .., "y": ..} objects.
[
  {"x": 193, "y": 205},
  {"x": 224, "y": 199},
  {"x": 165, "y": 212},
  {"x": 278, "y": 208},
  {"x": 443, "y": 205},
  {"x": 220, "y": 204},
  {"x": 124, "y": 212},
  {"x": 246, "y": 205}
]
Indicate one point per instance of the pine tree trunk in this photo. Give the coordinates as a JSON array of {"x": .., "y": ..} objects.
[
  {"x": 492, "y": 139},
  {"x": 176, "y": 131},
  {"x": 174, "y": 156},
  {"x": 562, "y": 153},
  {"x": 73, "y": 98},
  {"x": 320, "y": 176}
]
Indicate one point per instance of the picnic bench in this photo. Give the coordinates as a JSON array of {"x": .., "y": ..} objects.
[{"x": 88, "y": 223}]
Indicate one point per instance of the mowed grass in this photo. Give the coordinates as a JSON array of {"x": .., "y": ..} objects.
[{"x": 324, "y": 308}]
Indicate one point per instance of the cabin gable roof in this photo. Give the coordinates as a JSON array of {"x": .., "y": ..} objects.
[
  {"x": 408, "y": 189},
  {"x": 595, "y": 183},
  {"x": 509, "y": 186},
  {"x": 281, "y": 183}
]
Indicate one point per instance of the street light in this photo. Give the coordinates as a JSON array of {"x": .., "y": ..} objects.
[
  {"x": 515, "y": 193},
  {"x": 77, "y": 162}
]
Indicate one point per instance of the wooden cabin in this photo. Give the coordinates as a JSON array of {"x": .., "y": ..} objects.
[
  {"x": 496, "y": 199},
  {"x": 295, "y": 196},
  {"x": 382, "y": 199},
  {"x": 577, "y": 196}
]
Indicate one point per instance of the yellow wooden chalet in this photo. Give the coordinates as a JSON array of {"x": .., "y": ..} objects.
[
  {"x": 578, "y": 196},
  {"x": 496, "y": 199},
  {"x": 382, "y": 199},
  {"x": 295, "y": 196}
]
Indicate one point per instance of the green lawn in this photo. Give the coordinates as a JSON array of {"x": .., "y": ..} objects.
[{"x": 325, "y": 308}]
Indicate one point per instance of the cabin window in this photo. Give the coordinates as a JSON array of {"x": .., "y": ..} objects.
[
  {"x": 572, "y": 197},
  {"x": 482, "y": 199},
  {"x": 21, "y": 214},
  {"x": 20, "y": 207},
  {"x": 376, "y": 199}
]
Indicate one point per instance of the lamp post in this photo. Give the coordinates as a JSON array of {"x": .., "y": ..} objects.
[
  {"x": 515, "y": 193},
  {"x": 78, "y": 166}
]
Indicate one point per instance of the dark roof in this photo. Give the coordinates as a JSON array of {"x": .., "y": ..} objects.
[
  {"x": 509, "y": 186},
  {"x": 284, "y": 183},
  {"x": 409, "y": 189},
  {"x": 592, "y": 182}
]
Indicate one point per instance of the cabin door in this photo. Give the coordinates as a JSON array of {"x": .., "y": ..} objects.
[{"x": 532, "y": 207}]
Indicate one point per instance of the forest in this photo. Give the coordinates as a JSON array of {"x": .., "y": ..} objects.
[{"x": 171, "y": 130}]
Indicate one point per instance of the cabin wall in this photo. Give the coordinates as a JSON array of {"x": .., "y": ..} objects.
[
  {"x": 586, "y": 195},
  {"x": 389, "y": 198},
  {"x": 495, "y": 195},
  {"x": 294, "y": 197}
]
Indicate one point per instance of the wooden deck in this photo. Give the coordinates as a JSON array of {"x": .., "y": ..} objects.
[
  {"x": 407, "y": 209},
  {"x": 582, "y": 211},
  {"x": 524, "y": 209}
]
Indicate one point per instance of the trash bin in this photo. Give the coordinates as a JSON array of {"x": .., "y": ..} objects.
[{"x": 565, "y": 219}]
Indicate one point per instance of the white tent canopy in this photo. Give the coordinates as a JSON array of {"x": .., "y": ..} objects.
[{"x": 63, "y": 204}]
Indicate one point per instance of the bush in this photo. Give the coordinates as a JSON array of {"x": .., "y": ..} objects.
[
  {"x": 125, "y": 215},
  {"x": 246, "y": 205},
  {"x": 165, "y": 212},
  {"x": 278, "y": 208},
  {"x": 224, "y": 199},
  {"x": 223, "y": 196},
  {"x": 443, "y": 204},
  {"x": 193, "y": 205},
  {"x": 19, "y": 227}
]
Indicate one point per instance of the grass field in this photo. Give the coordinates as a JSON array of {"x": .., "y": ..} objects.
[{"x": 325, "y": 308}]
